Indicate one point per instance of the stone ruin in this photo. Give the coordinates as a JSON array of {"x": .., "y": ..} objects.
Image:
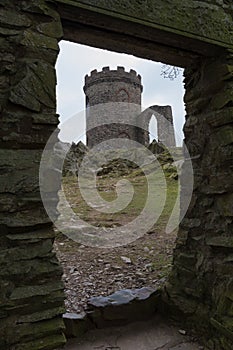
[
  {"x": 195, "y": 35},
  {"x": 112, "y": 86}
]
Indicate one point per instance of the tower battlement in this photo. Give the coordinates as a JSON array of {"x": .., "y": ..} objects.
[{"x": 111, "y": 75}]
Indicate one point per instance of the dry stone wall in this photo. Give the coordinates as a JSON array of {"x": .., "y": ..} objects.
[
  {"x": 201, "y": 284},
  {"x": 31, "y": 292}
]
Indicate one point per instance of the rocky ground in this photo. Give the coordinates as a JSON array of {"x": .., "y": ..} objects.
[{"x": 91, "y": 271}]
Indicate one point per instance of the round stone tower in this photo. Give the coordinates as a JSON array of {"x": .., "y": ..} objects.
[{"x": 111, "y": 86}]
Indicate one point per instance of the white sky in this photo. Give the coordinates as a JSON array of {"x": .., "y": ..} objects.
[{"x": 75, "y": 61}]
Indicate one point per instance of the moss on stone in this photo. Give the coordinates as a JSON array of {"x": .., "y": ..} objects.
[
  {"x": 45, "y": 343},
  {"x": 32, "y": 39},
  {"x": 13, "y": 19},
  {"x": 201, "y": 20}
]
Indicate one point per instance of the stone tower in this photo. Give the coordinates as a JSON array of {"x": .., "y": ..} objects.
[
  {"x": 104, "y": 123},
  {"x": 111, "y": 86}
]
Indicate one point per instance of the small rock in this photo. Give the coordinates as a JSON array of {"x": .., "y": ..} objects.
[
  {"x": 146, "y": 249},
  {"x": 126, "y": 260},
  {"x": 87, "y": 284},
  {"x": 72, "y": 270},
  {"x": 182, "y": 331},
  {"x": 148, "y": 266},
  {"x": 138, "y": 273}
]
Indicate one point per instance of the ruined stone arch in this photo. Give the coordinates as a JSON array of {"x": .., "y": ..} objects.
[{"x": 165, "y": 129}]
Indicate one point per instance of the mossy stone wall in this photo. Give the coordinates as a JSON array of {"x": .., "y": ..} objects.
[
  {"x": 207, "y": 20},
  {"x": 31, "y": 291},
  {"x": 201, "y": 284}
]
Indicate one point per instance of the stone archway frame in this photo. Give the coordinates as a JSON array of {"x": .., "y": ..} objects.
[{"x": 194, "y": 35}]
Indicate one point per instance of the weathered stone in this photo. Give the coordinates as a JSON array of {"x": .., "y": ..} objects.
[
  {"x": 27, "y": 83},
  {"x": 38, "y": 41},
  {"x": 198, "y": 274},
  {"x": 31, "y": 291},
  {"x": 45, "y": 343},
  {"x": 52, "y": 29},
  {"x": 220, "y": 327},
  {"x": 7, "y": 31},
  {"x": 220, "y": 241},
  {"x": 29, "y": 40},
  {"x": 39, "y": 330},
  {"x": 123, "y": 306},
  {"x": 13, "y": 19},
  {"x": 37, "y": 87},
  {"x": 225, "y": 204},
  {"x": 45, "y": 118},
  {"x": 190, "y": 223},
  {"x": 43, "y": 315},
  {"x": 35, "y": 267},
  {"x": 224, "y": 135},
  {"x": 204, "y": 20},
  {"x": 187, "y": 259},
  {"x": 77, "y": 324},
  {"x": 20, "y": 253},
  {"x": 221, "y": 117},
  {"x": 32, "y": 236},
  {"x": 73, "y": 155}
]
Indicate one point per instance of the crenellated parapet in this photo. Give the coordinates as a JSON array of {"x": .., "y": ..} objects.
[{"x": 109, "y": 75}]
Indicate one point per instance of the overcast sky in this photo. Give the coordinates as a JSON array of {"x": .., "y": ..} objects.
[{"x": 75, "y": 61}]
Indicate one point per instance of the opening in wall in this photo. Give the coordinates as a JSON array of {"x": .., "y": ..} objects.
[{"x": 145, "y": 261}]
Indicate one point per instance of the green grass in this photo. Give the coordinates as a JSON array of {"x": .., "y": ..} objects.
[{"x": 106, "y": 187}]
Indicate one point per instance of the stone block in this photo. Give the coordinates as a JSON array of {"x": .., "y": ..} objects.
[
  {"x": 13, "y": 19},
  {"x": 26, "y": 252},
  {"x": 77, "y": 324},
  {"x": 223, "y": 98},
  {"x": 225, "y": 204},
  {"x": 35, "y": 290},
  {"x": 221, "y": 328},
  {"x": 220, "y": 241},
  {"x": 32, "y": 268},
  {"x": 36, "y": 88},
  {"x": 123, "y": 306},
  {"x": 221, "y": 117},
  {"x": 31, "y": 236},
  {"x": 45, "y": 343}
]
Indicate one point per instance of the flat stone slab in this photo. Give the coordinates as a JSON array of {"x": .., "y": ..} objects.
[
  {"x": 117, "y": 309},
  {"x": 155, "y": 334},
  {"x": 123, "y": 306},
  {"x": 121, "y": 297}
]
